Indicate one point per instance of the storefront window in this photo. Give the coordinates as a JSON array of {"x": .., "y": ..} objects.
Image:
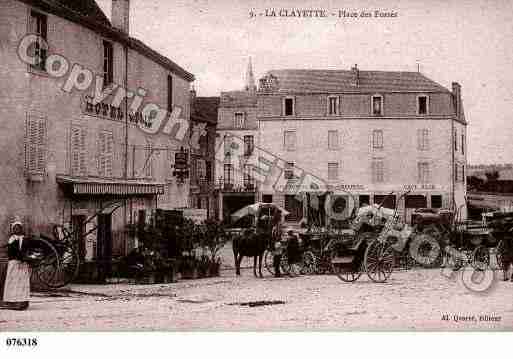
[
  {"x": 416, "y": 201},
  {"x": 386, "y": 201},
  {"x": 436, "y": 201},
  {"x": 364, "y": 200}
]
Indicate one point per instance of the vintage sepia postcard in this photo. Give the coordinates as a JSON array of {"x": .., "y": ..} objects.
[{"x": 251, "y": 165}]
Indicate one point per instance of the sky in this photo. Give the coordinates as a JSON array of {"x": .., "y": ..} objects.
[{"x": 470, "y": 42}]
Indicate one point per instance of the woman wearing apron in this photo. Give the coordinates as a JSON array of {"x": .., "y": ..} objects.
[{"x": 16, "y": 292}]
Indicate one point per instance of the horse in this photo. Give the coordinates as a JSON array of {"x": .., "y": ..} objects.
[{"x": 250, "y": 244}]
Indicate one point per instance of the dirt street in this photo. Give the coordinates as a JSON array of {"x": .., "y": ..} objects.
[{"x": 417, "y": 299}]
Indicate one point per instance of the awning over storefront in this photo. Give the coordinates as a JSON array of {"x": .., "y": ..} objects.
[{"x": 115, "y": 187}]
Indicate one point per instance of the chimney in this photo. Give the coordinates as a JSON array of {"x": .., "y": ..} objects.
[
  {"x": 121, "y": 15},
  {"x": 355, "y": 76},
  {"x": 456, "y": 94}
]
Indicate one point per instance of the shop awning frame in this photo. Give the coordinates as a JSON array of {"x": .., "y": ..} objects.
[{"x": 111, "y": 187}]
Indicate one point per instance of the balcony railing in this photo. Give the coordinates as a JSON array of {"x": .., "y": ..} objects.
[{"x": 230, "y": 186}]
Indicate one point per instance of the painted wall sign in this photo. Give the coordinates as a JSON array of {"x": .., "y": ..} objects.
[
  {"x": 414, "y": 187},
  {"x": 113, "y": 113}
]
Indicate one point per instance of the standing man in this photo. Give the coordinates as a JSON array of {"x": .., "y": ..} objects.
[{"x": 276, "y": 240}]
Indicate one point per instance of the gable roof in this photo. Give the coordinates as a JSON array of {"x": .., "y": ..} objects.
[
  {"x": 87, "y": 8},
  {"x": 342, "y": 81},
  {"x": 238, "y": 99},
  {"x": 88, "y": 14}
]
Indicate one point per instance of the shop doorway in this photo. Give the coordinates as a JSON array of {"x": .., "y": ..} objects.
[
  {"x": 104, "y": 246},
  {"x": 79, "y": 230}
]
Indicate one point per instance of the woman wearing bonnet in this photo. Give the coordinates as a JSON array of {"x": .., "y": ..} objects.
[{"x": 16, "y": 291}]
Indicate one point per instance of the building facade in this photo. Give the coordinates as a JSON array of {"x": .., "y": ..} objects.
[
  {"x": 359, "y": 135},
  {"x": 367, "y": 133},
  {"x": 237, "y": 129},
  {"x": 81, "y": 127},
  {"x": 204, "y": 113}
]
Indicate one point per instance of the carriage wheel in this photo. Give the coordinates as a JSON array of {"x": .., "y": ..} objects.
[
  {"x": 70, "y": 265},
  {"x": 379, "y": 261},
  {"x": 308, "y": 263},
  {"x": 480, "y": 258},
  {"x": 347, "y": 273},
  {"x": 45, "y": 270},
  {"x": 268, "y": 261}
]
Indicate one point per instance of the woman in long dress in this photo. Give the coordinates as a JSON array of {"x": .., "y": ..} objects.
[{"x": 17, "y": 279}]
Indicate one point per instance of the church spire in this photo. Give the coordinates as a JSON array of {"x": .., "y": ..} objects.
[{"x": 250, "y": 79}]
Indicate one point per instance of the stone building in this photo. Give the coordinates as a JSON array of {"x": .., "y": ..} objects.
[
  {"x": 236, "y": 126},
  {"x": 358, "y": 135},
  {"x": 202, "y": 178},
  {"x": 84, "y": 133}
]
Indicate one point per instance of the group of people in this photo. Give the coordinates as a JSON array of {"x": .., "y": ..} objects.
[{"x": 16, "y": 281}]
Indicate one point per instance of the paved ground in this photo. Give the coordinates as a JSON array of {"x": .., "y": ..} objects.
[{"x": 416, "y": 299}]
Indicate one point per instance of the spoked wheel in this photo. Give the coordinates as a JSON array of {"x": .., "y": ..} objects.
[
  {"x": 69, "y": 265},
  {"x": 309, "y": 263},
  {"x": 45, "y": 264},
  {"x": 481, "y": 258},
  {"x": 347, "y": 272},
  {"x": 347, "y": 266},
  {"x": 379, "y": 261},
  {"x": 268, "y": 261}
]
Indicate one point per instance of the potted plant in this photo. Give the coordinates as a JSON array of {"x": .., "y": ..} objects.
[
  {"x": 214, "y": 238},
  {"x": 203, "y": 266},
  {"x": 188, "y": 267}
]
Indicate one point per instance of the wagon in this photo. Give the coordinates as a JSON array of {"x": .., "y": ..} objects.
[{"x": 372, "y": 252}]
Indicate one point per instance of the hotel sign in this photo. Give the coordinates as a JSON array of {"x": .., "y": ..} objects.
[{"x": 113, "y": 113}]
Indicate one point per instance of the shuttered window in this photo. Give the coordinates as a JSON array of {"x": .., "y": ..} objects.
[
  {"x": 148, "y": 161},
  {"x": 289, "y": 140},
  {"x": 377, "y": 139},
  {"x": 333, "y": 139},
  {"x": 78, "y": 151},
  {"x": 106, "y": 153},
  {"x": 378, "y": 170},
  {"x": 423, "y": 139},
  {"x": 424, "y": 175},
  {"x": 333, "y": 171},
  {"x": 238, "y": 121},
  {"x": 35, "y": 145}
]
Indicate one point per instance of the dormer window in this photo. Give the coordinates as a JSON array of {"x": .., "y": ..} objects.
[
  {"x": 288, "y": 106},
  {"x": 422, "y": 105},
  {"x": 377, "y": 105},
  {"x": 332, "y": 105}
]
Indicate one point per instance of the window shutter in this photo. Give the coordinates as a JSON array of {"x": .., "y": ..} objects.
[
  {"x": 78, "y": 151},
  {"x": 106, "y": 153},
  {"x": 110, "y": 154},
  {"x": 148, "y": 171},
  {"x": 35, "y": 145}
]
